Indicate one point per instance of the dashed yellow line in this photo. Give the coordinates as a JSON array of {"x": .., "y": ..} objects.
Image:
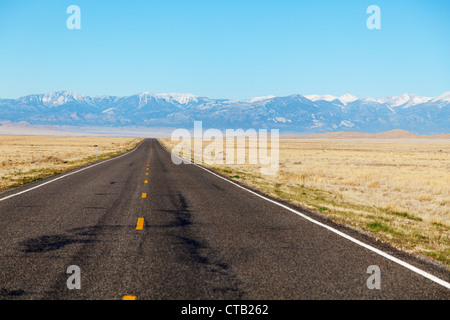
[{"x": 140, "y": 224}]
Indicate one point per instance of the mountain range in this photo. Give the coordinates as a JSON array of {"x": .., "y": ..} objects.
[{"x": 291, "y": 114}]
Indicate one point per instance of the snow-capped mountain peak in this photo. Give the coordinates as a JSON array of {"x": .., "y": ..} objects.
[
  {"x": 367, "y": 100},
  {"x": 182, "y": 98},
  {"x": 57, "y": 98},
  {"x": 344, "y": 99},
  {"x": 443, "y": 97},
  {"x": 347, "y": 98},
  {"x": 405, "y": 100},
  {"x": 258, "y": 99},
  {"x": 325, "y": 97}
]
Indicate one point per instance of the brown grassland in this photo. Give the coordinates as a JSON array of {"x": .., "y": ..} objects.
[
  {"x": 30, "y": 158},
  {"x": 396, "y": 191}
]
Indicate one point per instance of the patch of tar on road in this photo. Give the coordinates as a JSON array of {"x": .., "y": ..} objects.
[
  {"x": 192, "y": 249},
  {"x": 54, "y": 242},
  {"x": 224, "y": 282},
  {"x": 181, "y": 217},
  {"x": 218, "y": 188},
  {"x": 9, "y": 294}
]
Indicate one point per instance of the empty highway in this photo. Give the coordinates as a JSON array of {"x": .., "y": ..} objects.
[{"x": 139, "y": 226}]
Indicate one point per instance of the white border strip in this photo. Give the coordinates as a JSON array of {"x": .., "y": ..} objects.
[
  {"x": 346, "y": 236},
  {"x": 69, "y": 174}
]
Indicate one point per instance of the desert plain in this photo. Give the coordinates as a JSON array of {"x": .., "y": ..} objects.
[{"x": 396, "y": 189}]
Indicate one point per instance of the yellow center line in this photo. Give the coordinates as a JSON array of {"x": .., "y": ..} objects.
[
  {"x": 144, "y": 195},
  {"x": 146, "y": 181},
  {"x": 128, "y": 297},
  {"x": 146, "y": 174},
  {"x": 140, "y": 224}
]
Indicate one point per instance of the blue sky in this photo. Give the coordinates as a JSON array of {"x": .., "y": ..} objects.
[{"x": 225, "y": 49}]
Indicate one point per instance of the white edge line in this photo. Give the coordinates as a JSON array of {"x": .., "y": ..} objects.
[
  {"x": 71, "y": 173},
  {"x": 346, "y": 236}
]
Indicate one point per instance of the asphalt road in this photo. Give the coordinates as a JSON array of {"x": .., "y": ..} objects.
[{"x": 201, "y": 237}]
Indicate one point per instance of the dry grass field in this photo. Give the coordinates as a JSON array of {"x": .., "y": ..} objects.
[
  {"x": 29, "y": 158},
  {"x": 397, "y": 191}
]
